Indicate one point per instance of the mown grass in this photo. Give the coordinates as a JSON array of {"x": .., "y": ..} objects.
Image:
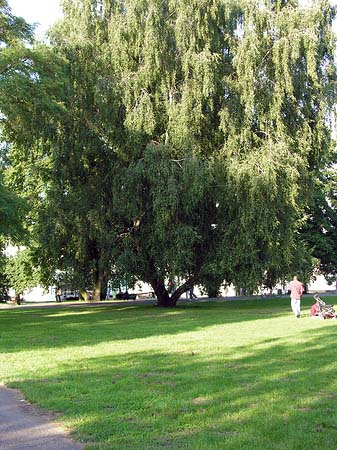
[{"x": 219, "y": 375}]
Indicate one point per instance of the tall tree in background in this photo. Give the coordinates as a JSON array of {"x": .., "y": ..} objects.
[
  {"x": 79, "y": 210},
  {"x": 63, "y": 161},
  {"x": 14, "y": 32},
  {"x": 15, "y": 67},
  {"x": 320, "y": 230},
  {"x": 29, "y": 82},
  {"x": 182, "y": 140}
]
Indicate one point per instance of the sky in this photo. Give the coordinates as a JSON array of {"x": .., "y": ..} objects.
[{"x": 42, "y": 12}]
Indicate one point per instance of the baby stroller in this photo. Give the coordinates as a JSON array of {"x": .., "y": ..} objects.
[{"x": 324, "y": 311}]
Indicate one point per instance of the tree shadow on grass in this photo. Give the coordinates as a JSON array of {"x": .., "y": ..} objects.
[
  {"x": 268, "y": 394},
  {"x": 47, "y": 329}
]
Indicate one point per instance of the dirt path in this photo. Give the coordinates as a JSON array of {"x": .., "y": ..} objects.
[{"x": 26, "y": 427}]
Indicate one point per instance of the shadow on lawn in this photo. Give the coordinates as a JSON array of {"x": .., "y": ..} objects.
[
  {"x": 266, "y": 395},
  {"x": 54, "y": 328}
]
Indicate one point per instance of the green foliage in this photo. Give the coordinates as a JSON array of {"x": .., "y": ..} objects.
[
  {"x": 13, "y": 29},
  {"x": 252, "y": 101},
  {"x": 319, "y": 231},
  {"x": 173, "y": 139},
  {"x": 12, "y": 210},
  {"x": 21, "y": 272}
]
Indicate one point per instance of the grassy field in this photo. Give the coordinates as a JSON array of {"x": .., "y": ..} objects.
[{"x": 219, "y": 375}]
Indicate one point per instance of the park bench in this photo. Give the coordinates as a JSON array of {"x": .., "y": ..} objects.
[{"x": 150, "y": 294}]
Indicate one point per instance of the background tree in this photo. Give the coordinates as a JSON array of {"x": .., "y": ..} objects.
[
  {"x": 14, "y": 32},
  {"x": 21, "y": 274},
  {"x": 319, "y": 232},
  {"x": 78, "y": 211},
  {"x": 34, "y": 103}
]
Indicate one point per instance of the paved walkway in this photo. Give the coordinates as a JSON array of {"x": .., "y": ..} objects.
[{"x": 26, "y": 427}]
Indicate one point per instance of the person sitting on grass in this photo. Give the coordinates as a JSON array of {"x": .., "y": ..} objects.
[
  {"x": 314, "y": 310},
  {"x": 322, "y": 310}
]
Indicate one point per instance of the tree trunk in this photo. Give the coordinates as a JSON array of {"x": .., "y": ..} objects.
[
  {"x": 100, "y": 286},
  {"x": 98, "y": 272},
  {"x": 97, "y": 279},
  {"x": 96, "y": 295},
  {"x": 182, "y": 289},
  {"x": 163, "y": 297},
  {"x": 84, "y": 295},
  {"x": 104, "y": 287},
  {"x": 213, "y": 292}
]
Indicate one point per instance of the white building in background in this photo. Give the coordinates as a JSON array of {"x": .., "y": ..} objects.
[
  {"x": 144, "y": 290},
  {"x": 321, "y": 285},
  {"x": 38, "y": 294}
]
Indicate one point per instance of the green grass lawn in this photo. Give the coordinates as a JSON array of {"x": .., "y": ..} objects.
[{"x": 219, "y": 375}]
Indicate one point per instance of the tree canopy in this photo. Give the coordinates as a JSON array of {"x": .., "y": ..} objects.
[
  {"x": 14, "y": 32},
  {"x": 174, "y": 139}
]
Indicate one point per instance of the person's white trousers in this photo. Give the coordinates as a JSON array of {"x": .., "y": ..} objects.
[{"x": 296, "y": 306}]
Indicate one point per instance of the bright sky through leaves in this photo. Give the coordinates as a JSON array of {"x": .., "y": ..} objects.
[
  {"x": 42, "y": 12},
  {"x": 45, "y": 12}
]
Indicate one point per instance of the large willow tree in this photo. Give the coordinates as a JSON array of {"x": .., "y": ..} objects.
[
  {"x": 228, "y": 106},
  {"x": 190, "y": 135}
]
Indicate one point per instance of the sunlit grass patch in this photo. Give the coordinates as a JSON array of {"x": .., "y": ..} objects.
[{"x": 232, "y": 375}]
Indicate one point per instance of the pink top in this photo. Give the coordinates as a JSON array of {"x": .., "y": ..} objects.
[
  {"x": 314, "y": 310},
  {"x": 296, "y": 289}
]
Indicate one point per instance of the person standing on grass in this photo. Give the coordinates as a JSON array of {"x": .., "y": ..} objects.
[
  {"x": 191, "y": 293},
  {"x": 296, "y": 289},
  {"x": 58, "y": 294}
]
